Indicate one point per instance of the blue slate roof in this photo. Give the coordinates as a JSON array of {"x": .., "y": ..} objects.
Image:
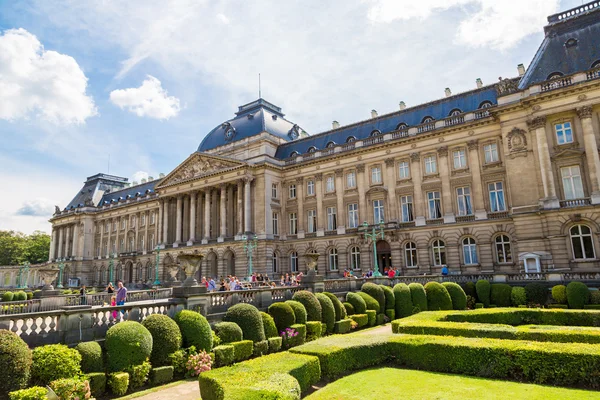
[
  {"x": 130, "y": 192},
  {"x": 571, "y": 44},
  {"x": 465, "y": 102},
  {"x": 92, "y": 185}
]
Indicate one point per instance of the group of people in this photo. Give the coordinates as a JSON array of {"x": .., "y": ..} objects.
[{"x": 291, "y": 280}]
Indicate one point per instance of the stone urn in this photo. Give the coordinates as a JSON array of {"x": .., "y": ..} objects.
[
  {"x": 190, "y": 264},
  {"x": 311, "y": 263},
  {"x": 48, "y": 276},
  {"x": 172, "y": 270}
]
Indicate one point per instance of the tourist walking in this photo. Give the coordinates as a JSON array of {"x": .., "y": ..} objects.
[
  {"x": 82, "y": 300},
  {"x": 121, "y": 295}
]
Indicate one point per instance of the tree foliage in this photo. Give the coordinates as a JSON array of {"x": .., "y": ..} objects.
[{"x": 16, "y": 247}]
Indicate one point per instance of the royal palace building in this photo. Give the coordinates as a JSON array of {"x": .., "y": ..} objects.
[{"x": 502, "y": 178}]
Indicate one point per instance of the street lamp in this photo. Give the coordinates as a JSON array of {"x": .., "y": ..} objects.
[
  {"x": 22, "y": 270},
  {"x": 374, "y": 236},
  {"x": 249, "y": 246},
  {"x": 61, "y": 268},
  {"x": 111, "y": 267},
  {"x": 156, "y": 281}
]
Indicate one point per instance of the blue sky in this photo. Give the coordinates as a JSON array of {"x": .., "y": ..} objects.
[{"x": 142, "y": 82}]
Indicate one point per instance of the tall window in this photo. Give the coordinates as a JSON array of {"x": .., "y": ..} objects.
[
  {"x": 115, "y": 226},
  {"x": 375, "y": 175},
  {"x": 438, "y": 248},
  {"x": 293, "y": 224},
  {"x": 406, "y": 203},
  {"x": 378, "y": 215},
  {"x": 294, "y": 261},
  {"x": 123, "y": 223},
  {"x": 403, "y": 170},
  {"x": 572, "y": 184},
  {"x": 292, "y": 191},
  {"x": 582, "y": 242},
  {"x": 152, "y": 242},
  {"x": 430, "y": 165},
  {"x": 355, "y": 257},
  {"x": 275, "y": 223},
  {"x": 491, "y": 153},
  {"x": 351, "y": 180},
  {"x": 330, "y": 184},
  {"x": 152, "y": 217},
  {"x": 333, "y": 259},
  {"x": 353, "y": 215},
  {"x": 460, "y": 159},
  {"x": 497, "y": 203},
  {"x": 463, "y": 199},
  {"x": 310, "y": 187},
  {"x": 143, "y": 219},
  {"x": 274, "y": 190},
  {"x": 142, "y": 243},
  {"x": 503, "y": 253},
  {"x": 106, "y": 227},
  {"x": 469, "y": 251},
  {"x": 132, "y": 223},
  {"x": 564, "y": 133},
  {"x": 435, "y": 205},
  {"x": 131, "y": 244},
  {"x": 312, "y": 221},
  {"x": 410, "y": 253},
  {"x": 331, "y": 219},
  {"x": 275, "y": 263},
  {"x": 121, "y": 245}
]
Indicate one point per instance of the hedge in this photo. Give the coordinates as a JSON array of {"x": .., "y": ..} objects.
[
  {"x": 391, "y": 314},
  {"x": 161, "y": 375},
  {"x": 500, "y": 294},
  {"x": 118, "y": 383},
  {"x": 301, "y": 337},
  {"x": 275, "y": 376},
  {"x": 274, "y": 344},
  {"x": 559, "y": 294},
  {"x": 536, "y": 293},
  {"x": 390, "y": 299},
  {"x": 457, "y": 294},
  {"x": 269, "y": 325},
  {"x": 361, "y": 319},
  {"x": 71, "y": 388},
  {"x": 371, "y": 303},
  {"x": 8, "y": 296},
  {"x": 97, "y": 382},
  {"x": 138, "y": 375},
  {"x": 483, "y": 289},
  {"x": 470, "y": 289},
  {"x": 526, "y": 316},
  {"x": 403, "y": 300},
  {"x": 323, "y": 329},
  {"x": 376, "y": 292},
  {"x": 418, "y": 297},
  {"x": 327, "y": 311},
  {"x": 20, "y": 296},
  {"x": 32, "y": 393},
  {"x": 438, "y": 297},
  {"x": 260, "y": 348},
  {"x": 195, "y": 330},
  {"x": 343, "y": 326},
  {"x": 340, "y": 311},
  {"x": 310, "y": 302},
  {"x": 248, "y": 318},
  {"x": 54, "y": 361},
  {"x": 313, "y": 330},
  {"x": 128, "y": 343},
  {"x": 15, "y": 362},
  {"x": 166, "y": 338},
  {"x": 91, "y": 356},
  {"x": 372, "y": 317},
  {"x": 228, "y": 332},
  {"x": 595, "y": 297},
  {"x": 224, "y": 355},
  {"x": 578, "y": 295},
  {"x": 283, "y": 315},
  {"x": 349, "y": 308},
  {"x": 299, "y": 311},
  {"x": 518, "y": 296}
]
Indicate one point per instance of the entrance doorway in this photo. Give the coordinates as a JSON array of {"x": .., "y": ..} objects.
[{"x": 384, "y": 255}]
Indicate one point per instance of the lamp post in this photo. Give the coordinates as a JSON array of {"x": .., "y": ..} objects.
[
  {"x": 374, "y": 236},
  {"x": 61, "y": 268},
  {"x": 23, "y": 269},
  {"x": 249, "y": 246},
  {"x": 156, "y": 280},
  {"x": 111, "y": 267},
  {"x": 26, "y": 272}
]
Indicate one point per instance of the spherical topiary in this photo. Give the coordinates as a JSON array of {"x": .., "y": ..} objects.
[
  {"x": 559, "y": 294},
  {"x": 52, "y": 362},
  {"x": 500, "y": 294},
  {"x": 283, "y": 315},
  {"x": 269, "y": 325},
  {"x": 438, "y": 297},
  {"x": 470, "y": 289},
  {"x": 578, "y": 294},
  {"x": 127, "y": 344},
  {"x": 310, "y": 302},
  {"x": 340, "y": 311},
  {"x": 371, "y": 303},
  {"x": 228, "y": 332},
  {"x": 390, "y": 299},
  {"x": 376, "y": 292},
  {"x": 195, "y": 330},
  {"x": 518, "y": 296},
  {"x": 418, "y": 296},
  {"x": 360, "y": 307},
  {"x": 15, "y": 362},
  {"x": 8, "y": 296},
  {"x": 299, "y": 311},
  {"x": 483, "y": 289},
  {"x": 248, "y": 318},
  {"x": 20, "y": 296},
  {"x": 404, "y": 305},
  {"x": 457, "y": 294},
  {"x": 536, "y": 293},
  {"x": 328, "y": 311},
  {"x": 91, "y": 357},
  {"x": 166, "y": 338},
  {"x": 349, "y": 308}
]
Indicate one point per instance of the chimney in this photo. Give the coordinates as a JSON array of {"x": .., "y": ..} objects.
[
  {"x": 402, "y": 105},
  {"x": 479, "y": 83},
  {"x": 448, "y": 92},
  {"x": 373, "y": 113},
  {"x": 143, "y": 180},
  {"x": 521, "y": 69},
  {"x": 335, "y": 124},
  {"x": 150, "y": 179},
  {"x": 161, "y": 175}
]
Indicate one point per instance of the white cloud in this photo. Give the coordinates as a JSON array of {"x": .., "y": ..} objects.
[
  {"x": 40, "y": 83},
  {"x": 39, "y": 207},
  {"x": 149, "y": 100},
  {"x": 223, "y": 18},
  {"x": 138, "y": 176}
]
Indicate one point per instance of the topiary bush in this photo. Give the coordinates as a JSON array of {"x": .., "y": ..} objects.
[
  {"x": 127, "y": 344},
  {"x": 403, "y": 301},
  {"x": 20, "y": 296},
  {"x": 371, "y": 303},
  {"x": 518, "y": 296},
  {"x": 372, "y": 317},
  {"x": 52, "y": 362},
  {"x": 8, "y": 296},
  {"x": 118, "y": 383},
  {"x": 313, "y": 330},
  {"x": 376, "y": 292},
  {"x": 500, "y": 294},
  {"x": 138, "y": 375},
  {"x": 97, "y": 382},
  {"x": 32, "y": 393},
  {"x": 274, "y": 344},
  {"x": 283, "y": 315},
  {"x": 360, "y": 307},
  {"x": 578, "y": 295},
  {"x": 536, "y": 293},
  {"x": 594, "y": 297},
  {"x": 162, "y": 375},
  {"x": 327, "y": 311},
  {"x": 269, "y": 325},
  {"x": 361, "y": 319},
  {"x": 483, "y": 289},
  {"x": 195, "y": 330},
  {"x": 470, "y": 289},
  {"x": 242, "y": 350},
  {"x": 15, "y": 362},
  {"x": 300, "y": 338},
  {"x": 418, "y": 296},
  {"x": 72, "y": 388},
  {"x": 340, "y": 311},
  {"x": 299, "y": 311},
  {"x": 224, "y": 355},
  {"x": 390, "y": 299},
  {"x": 349, "y": 308},
  {"x": 166, "y": 338},
  {"x": 390, "y": 314},
  {"x": 343, "y": 326},
  {"x": 229, "y": 332},
  {"x": 310, "y": 302},
  {"x": 457, "y": 294},
  {"x": 91, "y": 357},
  {"x": 438, "y": 297},
  {"x": 248, "y": 318},
  {"x": 261, "y": 348},
  {"x": 559, "y": 294}
]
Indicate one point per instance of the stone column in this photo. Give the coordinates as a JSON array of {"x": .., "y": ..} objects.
[
  {"x": 300, "y": 202},
  {"x": 206, "y": 215},
  {"x": 178, "y": 222},
  {"x": 214, "y": 213},
  {"x": 240, "y": 209},
  {"x": 415, "y": 173},
  {"x": 320, "y": 209},
  {"x": 477, "y": 190},
  {"x": 339, "y": 192},
  {"x": 67, "y": 241},
  {"x": 118, "y": 249},
  {"x": 193, "y": 201},
  {"x": 52, "y": 247},
  {"x": 136, "y": 244},
  {"x": 108, "y": 248},
  {"x": 75, "y": 240},
  {"x": 248, "y": 204},
  {"x": 591, "y": 151},
  {"x": 230, "y": 212},
  {"x": 60, "y": 242},
  {"x": 165, "y": 237},
  {"x": 223, "y": 213},
  {"x": 159, "y": 222},
  {"x": 185, "y": 219},
  {"x": 146, "y": 227},
  {"x": 390, "y": 166},
  {"x": 102, "y": 224},
  {"x": 361, "y": 186},
  {"x": 446, "y": 190},
  {"x": 538, "y": 125}
]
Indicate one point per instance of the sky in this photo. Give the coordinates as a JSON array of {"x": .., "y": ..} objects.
[{"x": 131, "y": 87}]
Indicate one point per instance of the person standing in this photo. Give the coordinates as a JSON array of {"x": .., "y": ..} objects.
[
  {"x": 121, "y": 295},
  {"x": 83, "y": 300}
]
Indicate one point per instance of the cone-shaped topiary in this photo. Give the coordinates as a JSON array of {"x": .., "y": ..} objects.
[
  {"x": 328, "y": 311},
  {"x": 500, "y": 294},
  {"x": 371, "y": 303},
  {"x": 559, "y": 294},
  {"x": 483, "y": 289},
  {"x": 404, "y": 305},
  {"x": 310, "y": 302},
  {"x": 349, "y": 308},
  {"x": 283, "y": 315},
  {"x": 166, "y": 338},
  {"x": 376, "y": 292},
  {"x": 15, "y": 363},
  {"x": 195, "y": 330},
  {"x": 91, "y": 357},
  {"x": 457, "y": 294},
  {"x": 248, "y": 318},
  {"x": 340, "y": 311},
  {"x": 360, "y": 307},
  {"x": 229, "y": 332},
  {"x": 578, "y": 295},
  {"x": 299, "y": 311},
  {"x": 390, "y": 299},
  {"x": 418, "y": 296},
  {"x": 269, "y": 325},
  {"x": 127, "y": 344},
  {"x": 438, "y": 297}
]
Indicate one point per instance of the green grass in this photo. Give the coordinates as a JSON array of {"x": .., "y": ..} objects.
[{"x": 391, "y": 383}]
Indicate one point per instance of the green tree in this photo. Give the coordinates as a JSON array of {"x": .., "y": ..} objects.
[
  {"x": 16, "y": 247},
  {"x": 37, "y": 247}
]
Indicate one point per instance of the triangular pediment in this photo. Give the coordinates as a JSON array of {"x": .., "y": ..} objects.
[
  {"x": 199, "y": 165},
  {"x": 566, "y": 153}
]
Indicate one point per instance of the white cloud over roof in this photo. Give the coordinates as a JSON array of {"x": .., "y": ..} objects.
[{"x": 148, "y": 100}]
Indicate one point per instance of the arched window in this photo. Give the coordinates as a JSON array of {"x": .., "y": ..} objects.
[
  {"x": 427, "y": 120},
  {"x": 138, "y": 272},
  {"x": 275, "y": 263},
  {"x": 582, "y": 242},
  {"x": 149, "y": 272},
  {"x": 486, "y": 104},
  {"x": 503, "y": 252},
  {"x": 596, "y": 64},
  {"x": 355, "y": 257},
  {"x": 455, "y": 112},
  {"x": 469, "y": 251},
  {"x": 350, "y": 139},
  {"x": 333, "y": 259},
  {"x": 438, "y": 249},
  {"x": 410, "y": 254},
  {"x": 330, "y": 145},
  {"x": 375, "y": 132},
  {"x": 312, "y": 149},
  {"x": 294, "y": 261},
  {"x": 401, "y": 126},
  {"x": 554, "y": 75},
  {"x": 294, "y": 154}
]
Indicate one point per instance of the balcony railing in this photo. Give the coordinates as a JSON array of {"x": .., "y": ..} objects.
[
  {"x": 426, "y": 127},
  {"x": 399, "y": 134},
  {"x": 557, "y": 83},
  {"x": 575, "y": 202},
  {"x": 593, "y": 74},
  {"x": 482, "y": 114},
  {"x": 458, "y": 119},
  {"x": 437, "y": 221},
  {"x": 465, "y": 218},
  {"x": 372, "y": 140},
  {"x": 498, "y": 215}
]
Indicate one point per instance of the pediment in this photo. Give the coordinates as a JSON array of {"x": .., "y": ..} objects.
[
  {"x": 566, "y": 153},
  {"x": 199, "y": 165}
]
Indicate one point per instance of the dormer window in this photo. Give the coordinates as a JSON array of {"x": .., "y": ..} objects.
[
  {"x": 401, "y": 126},
  {"x": 294, "y": 133},
  {"x": 350, "y": 139},
  {"x": 376, "y": 132},
  {"x": 596, "y": 64},
  {"x": 294, "y": 154},
  {"x": 312, "y": 149},
  {"x": 554, "y": 75},
  {"x": 427, "y": 120},
  {"x": 455, "y": 112},
  {"x": 572, "y": 42},
  {"x": 486, "y": 104},
  {"x": 330, "y": 145}
]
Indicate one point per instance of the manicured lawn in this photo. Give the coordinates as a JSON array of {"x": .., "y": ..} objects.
[{"x": 392, "y": 383}]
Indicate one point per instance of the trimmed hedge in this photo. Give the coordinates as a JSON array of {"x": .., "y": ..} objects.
[
  {"x": 483, "y": 289},
  {"x": 391, "y": 314},
  {"x": 248, "y": 318},
  {"x": 559, "y": 294},
  {"x": 578, "y": 295},
  {"x": 380, "y": 319},
  {"x": 32, "y": 393},
  {"x": 536, "y": 293},
  {"x": 343, "y": 326},
  {"x": 349, "y": 308},
  {"x": 371, "y": 303},
  {"x": 418, "y": 297},
  {"x": 361, "y": 319},
  {"x": 55, "y": 361},
  {"x": 275, "y": 344},
  {"x": 310, "y": 302},
  {"x": 20, "y": 296},
  {"x": 327, "y": 311},
  {"x": 242, "y": 350},
  {"x": 195, "y": 330},
  {"x": 372, "y": 317},
  {"x": 470, "y": 289},
  {"x": 138, "y": 375},
  {"x": 313, "y": 330},
  {"x": 403, "y": 300},
  {"x": 269, "y": 325},
  {"x": 8, "y": 296},
  {"x": 323, "y": 329},
  {"x": 438, "y": 297},
  {"x": 224, "y": 355},
  {"x": 390, "y": 299},
  {"x": 527, "y": 316},
  {"x": 301, "y": 337},
  {"x": 166, "y": 338},
  {"x": 283, "y": 315},
  {"x": 457, "y": 294},
  {"x": 340, "y": 311},
  {"x": 15, "y": 362},
  {"x": 97, "y": 382},
  {"x": 357, "y": 302},
  {"x": 500, "y": 294},
  {"x": 118, "y": 383},
  {"x": 518, "y": 296},
  {"x": 260, "y": 348},
  {"x": 229, "y": 332},
  {"x": 376, "y": 292},
  {"x": 162, "y": 375},
  {"x": 128, "y": 343},
  {"x": 91, "y": 356},
  {"x": 299, "y": 311}
]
